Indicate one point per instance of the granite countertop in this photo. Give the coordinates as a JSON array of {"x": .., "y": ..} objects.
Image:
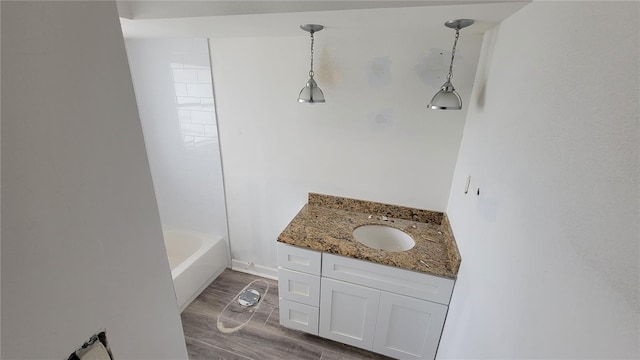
[{"x": 326, "y": 224}]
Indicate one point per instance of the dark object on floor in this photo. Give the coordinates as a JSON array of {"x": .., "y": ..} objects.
[
  {"x": 91, "y": 346},
  {"x": 249, "y": 297}
]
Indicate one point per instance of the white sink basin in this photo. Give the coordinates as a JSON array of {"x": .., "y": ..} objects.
[{"x": 383, "y": 238}]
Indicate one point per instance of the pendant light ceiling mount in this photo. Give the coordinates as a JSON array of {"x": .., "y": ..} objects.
[
  {"x": 311, "y": 93},
  {"x": 447, "y": 98},
  {"x": 311, "y": 28},
  {"x": 459, "y": 23}
]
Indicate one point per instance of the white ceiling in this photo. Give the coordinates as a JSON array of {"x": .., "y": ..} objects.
[
  {"x": 154, "y": 9},
  {"x": 282, "y": 18}
]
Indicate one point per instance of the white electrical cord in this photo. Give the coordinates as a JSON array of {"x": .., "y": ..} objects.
[{"x": 227, "y": 330}]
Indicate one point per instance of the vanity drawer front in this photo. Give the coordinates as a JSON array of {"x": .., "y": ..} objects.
[
  {"x": 299, "y": 259},
  {"x": 399, "y": 281},
  {"x": 300, "y": 287},
  {"x": 299, "y": 316}
]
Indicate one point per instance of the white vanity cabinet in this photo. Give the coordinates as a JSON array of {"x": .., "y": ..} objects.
[
  {"x": 408, "y": 308},
  {"x": 388, "y": 310}
]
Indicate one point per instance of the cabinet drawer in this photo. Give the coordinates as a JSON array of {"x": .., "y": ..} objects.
[
  {"x": 299, "y": 316},
  {"x": 299, "y": 259},
  {"x": 300, "y": 287},
  {"x": 399, "y": 281}
]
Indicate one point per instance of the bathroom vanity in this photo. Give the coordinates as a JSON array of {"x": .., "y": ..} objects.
[{"x": 390, "y": 302}]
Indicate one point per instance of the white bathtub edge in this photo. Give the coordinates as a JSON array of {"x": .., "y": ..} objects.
[
  {"x": 199, "y": 291},
  {"x": 259, "y": 270},
  {"x": 199, "y": 270}
]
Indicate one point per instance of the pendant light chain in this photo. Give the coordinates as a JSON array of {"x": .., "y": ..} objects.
[
  {"x": 311, "y": 71},
  {"x": 447, "y": 98},
  {"x": 453, "y": 54},
  {"x": 311, "y": 92}
]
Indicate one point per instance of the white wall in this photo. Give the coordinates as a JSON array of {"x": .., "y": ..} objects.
[
  {"x": 81, "y": 236},
  {"x": 550, "y": 246},
  {"x": 0, "y": 191},
  {"x": 172, "y": 80},
  {"x": 373, "y": 139}
]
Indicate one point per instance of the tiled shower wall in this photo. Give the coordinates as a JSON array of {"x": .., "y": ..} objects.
[{"x": 172, "y": 80}]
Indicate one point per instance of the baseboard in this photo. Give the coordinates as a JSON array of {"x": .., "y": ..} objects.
[{"x": 253, "y": 269}]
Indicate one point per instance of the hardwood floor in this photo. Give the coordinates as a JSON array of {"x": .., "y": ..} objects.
[{"x": 262, "y": 337}]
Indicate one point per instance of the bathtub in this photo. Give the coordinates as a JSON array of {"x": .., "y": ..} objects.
[{"x": 195, "y": 260}]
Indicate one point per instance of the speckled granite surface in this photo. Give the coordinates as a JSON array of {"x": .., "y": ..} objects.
[
  {"x": 327, "y": 222},
  {"x": 375, "y": 208},
  {"x": 452, "y": 247}
]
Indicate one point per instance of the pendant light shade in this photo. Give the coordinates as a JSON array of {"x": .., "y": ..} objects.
[
  {"x": 311, "y": 93},
  {"x": 448, "y": 98}
]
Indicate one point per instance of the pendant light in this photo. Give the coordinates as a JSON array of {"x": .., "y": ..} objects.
[
  {"x": 311, "y": 93},
  {"x": 447, "y": 98}
]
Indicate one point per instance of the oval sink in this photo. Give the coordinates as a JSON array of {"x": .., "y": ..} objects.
[{"x": 383, "y": 238}]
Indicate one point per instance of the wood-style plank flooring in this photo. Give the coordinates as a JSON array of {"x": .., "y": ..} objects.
[{"x": 262, "y": 337}]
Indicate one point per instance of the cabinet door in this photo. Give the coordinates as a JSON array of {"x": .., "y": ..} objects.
[
  {"x": 348, "y": 313},
  {"x": 408, "y": 328}
]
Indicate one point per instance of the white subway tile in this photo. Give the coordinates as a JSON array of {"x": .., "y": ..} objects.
[
  {"x": 207, "y": 105},
  {"x": 204, "y": 76},
  {"x": 210, "y": 131},
  {"x": 181, "y": 89},
  {"x": 200, "y": 90},
  {"x": 185, "y": 75},
  {"x": 202, "y": 117},
  {"x": 184, "y": 116},
  {"x": 192, "y": 62},
  {"x": 192, "y": 129},
  {"x": 187, "y": 100},
  {"x": 201, "y": 140}
]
